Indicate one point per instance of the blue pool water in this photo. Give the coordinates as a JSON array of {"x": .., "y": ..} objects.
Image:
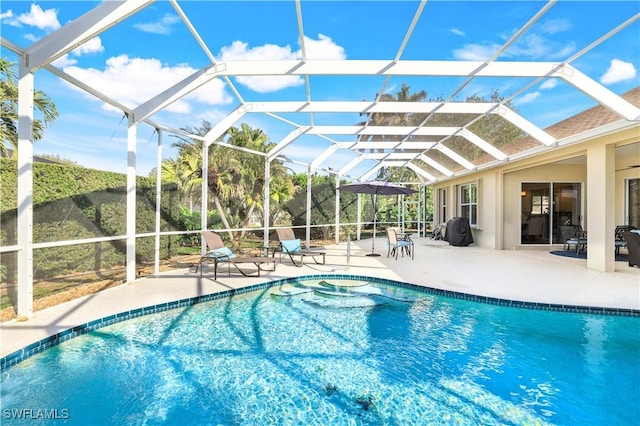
[{"x": 337, "y": 353}]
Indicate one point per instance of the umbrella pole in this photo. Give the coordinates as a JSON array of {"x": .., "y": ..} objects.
[{"x": 373, "y": 240}]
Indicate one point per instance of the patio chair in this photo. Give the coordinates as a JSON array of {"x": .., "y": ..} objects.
[
  {"x": 396, "y": 244},
  {"x": 573, "y": 235},
  {"x": 291, "y": 246},
  {"x": 633, "y": 247},
  {"x": 619, "y": 240},
  {"x": 536, "y": 227},
  {"x": 219, "y": 253}
]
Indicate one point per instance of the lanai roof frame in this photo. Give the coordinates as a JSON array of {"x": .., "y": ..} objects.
[{"x": 103, "y": 17}]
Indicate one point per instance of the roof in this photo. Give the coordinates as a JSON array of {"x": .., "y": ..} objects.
[
  {"x": 337, "y": 128},
  {"x": 589, "y": 119}
]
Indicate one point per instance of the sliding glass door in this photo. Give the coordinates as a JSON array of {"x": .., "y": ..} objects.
[{"x": 544, "y": 207}]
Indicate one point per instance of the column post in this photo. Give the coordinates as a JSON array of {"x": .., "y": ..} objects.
[{"x": 601, "y": 207}]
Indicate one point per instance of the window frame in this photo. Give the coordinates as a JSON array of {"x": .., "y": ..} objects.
[
  {"x": 472, "y": 204},
  {"x": 442, "y": 205}
]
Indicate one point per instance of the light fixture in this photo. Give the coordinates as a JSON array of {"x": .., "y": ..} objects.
[{"x": 523, "y": 193}]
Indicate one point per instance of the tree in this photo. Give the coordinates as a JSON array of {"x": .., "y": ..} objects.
[
  {"x": 235, "y": 177},
  {"x": 323, "y": 199},
  {"x": 56, "y": 158},
  {"x": 250, "y": 190},
  {"x": 492, "y": 128},
  {"x": 394, "y": 119},
  {"x": 9, "y": 110},
  {"x": 186, "y": 169}
]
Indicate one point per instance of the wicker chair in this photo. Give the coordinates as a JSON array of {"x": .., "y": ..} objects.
[
  {"x": 620, "y": 242},
  {"x": 573, "y": 235},
  {"x": 633, "y": 246}
]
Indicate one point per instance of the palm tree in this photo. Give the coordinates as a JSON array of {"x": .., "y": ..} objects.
[
  {"x": 251, "y": 176},
  {"x": 186, "y": 170},
  {"x": 394, "y": 119},
  {"x": 9, "y": 110},
  {"x": 250, "y": 189},
  {"x": 235, "y": 178}
]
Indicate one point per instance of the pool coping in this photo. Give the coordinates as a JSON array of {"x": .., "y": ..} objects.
[{"x": 41, "y": 345}]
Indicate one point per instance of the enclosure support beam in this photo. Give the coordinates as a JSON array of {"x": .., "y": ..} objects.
[
  {"x": 25, "y": 192},
  {"x": 308, "y": 218},
  {"x": 359, "y": 218},
  {"x": 132, "y": 134},
  {"x": 266, "y": 207},
  {"x": 337, "y": 228},
  {"x": 156, "y": 260},
  {"x": 204, "y": 196}
]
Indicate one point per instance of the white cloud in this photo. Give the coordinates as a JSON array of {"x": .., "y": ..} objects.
[
  {"x": 618, "y": 71},
  {"x": 7, "y": 17},
  {"x": 164, "y": 26},
  {"x": 528, "y": 98},
  {"x": 538, "y": 44},
  {"x": 42, "y": 19},
  {"x": 133, "y": 81},
  {"x": 91, "y": 46},
  {"x": 475, "y": 52},
  {"x": 322, "y": 48},
  {"x": 31, "y": 37},
  {"x": 554, "y": 26},
  {"x": 457, "y": 32},
  {"x": 549, "y": 83},
  {"x": 240, "y": 51},
  {"x": 64, "y": 61}
]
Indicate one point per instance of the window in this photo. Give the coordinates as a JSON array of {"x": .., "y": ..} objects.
[
  {"x": 468, "y": 197},
  {"x": 540, "y": 204},
  {"x": 442, "y": 205}
]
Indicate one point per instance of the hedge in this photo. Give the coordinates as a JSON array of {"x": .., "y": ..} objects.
[{"x": 71, "y": 203}]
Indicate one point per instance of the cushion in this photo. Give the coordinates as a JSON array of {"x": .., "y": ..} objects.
[
  {"x": 290, "y": 246},
  {"x": 224, "y": 252}
]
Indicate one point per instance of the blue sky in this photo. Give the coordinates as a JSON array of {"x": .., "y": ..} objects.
[{"x": 153, "y": 50}]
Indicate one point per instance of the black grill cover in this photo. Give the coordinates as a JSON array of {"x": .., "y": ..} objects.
[{"x": 458, "y": 232}]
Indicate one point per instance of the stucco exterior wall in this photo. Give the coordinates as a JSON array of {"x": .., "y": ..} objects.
[{"x": 499, "y": 199}]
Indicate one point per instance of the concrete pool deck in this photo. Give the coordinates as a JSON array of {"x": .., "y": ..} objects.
[{"x": 523, "y": 275}]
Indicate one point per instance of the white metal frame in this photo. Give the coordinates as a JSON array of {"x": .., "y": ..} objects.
[{"x": 105, "y": 15}]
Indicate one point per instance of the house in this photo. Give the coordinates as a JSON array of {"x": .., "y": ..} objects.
[{"x": 591, "y": 178}]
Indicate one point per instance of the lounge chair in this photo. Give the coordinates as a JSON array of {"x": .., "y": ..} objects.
[
  {"x": 219, "y": 253},
  {"x": 396, "y": 244},
  {"x": 633, "y": 247},
  {"x": 291, "y": 246}
]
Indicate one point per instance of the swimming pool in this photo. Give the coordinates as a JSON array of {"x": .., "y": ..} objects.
[{"x": 336, "y": 351}]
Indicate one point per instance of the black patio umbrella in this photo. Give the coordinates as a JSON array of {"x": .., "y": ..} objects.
[{"x": 376, "y": 188}]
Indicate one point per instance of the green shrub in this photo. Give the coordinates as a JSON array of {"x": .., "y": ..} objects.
[{"x": 72, "y": 203}]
